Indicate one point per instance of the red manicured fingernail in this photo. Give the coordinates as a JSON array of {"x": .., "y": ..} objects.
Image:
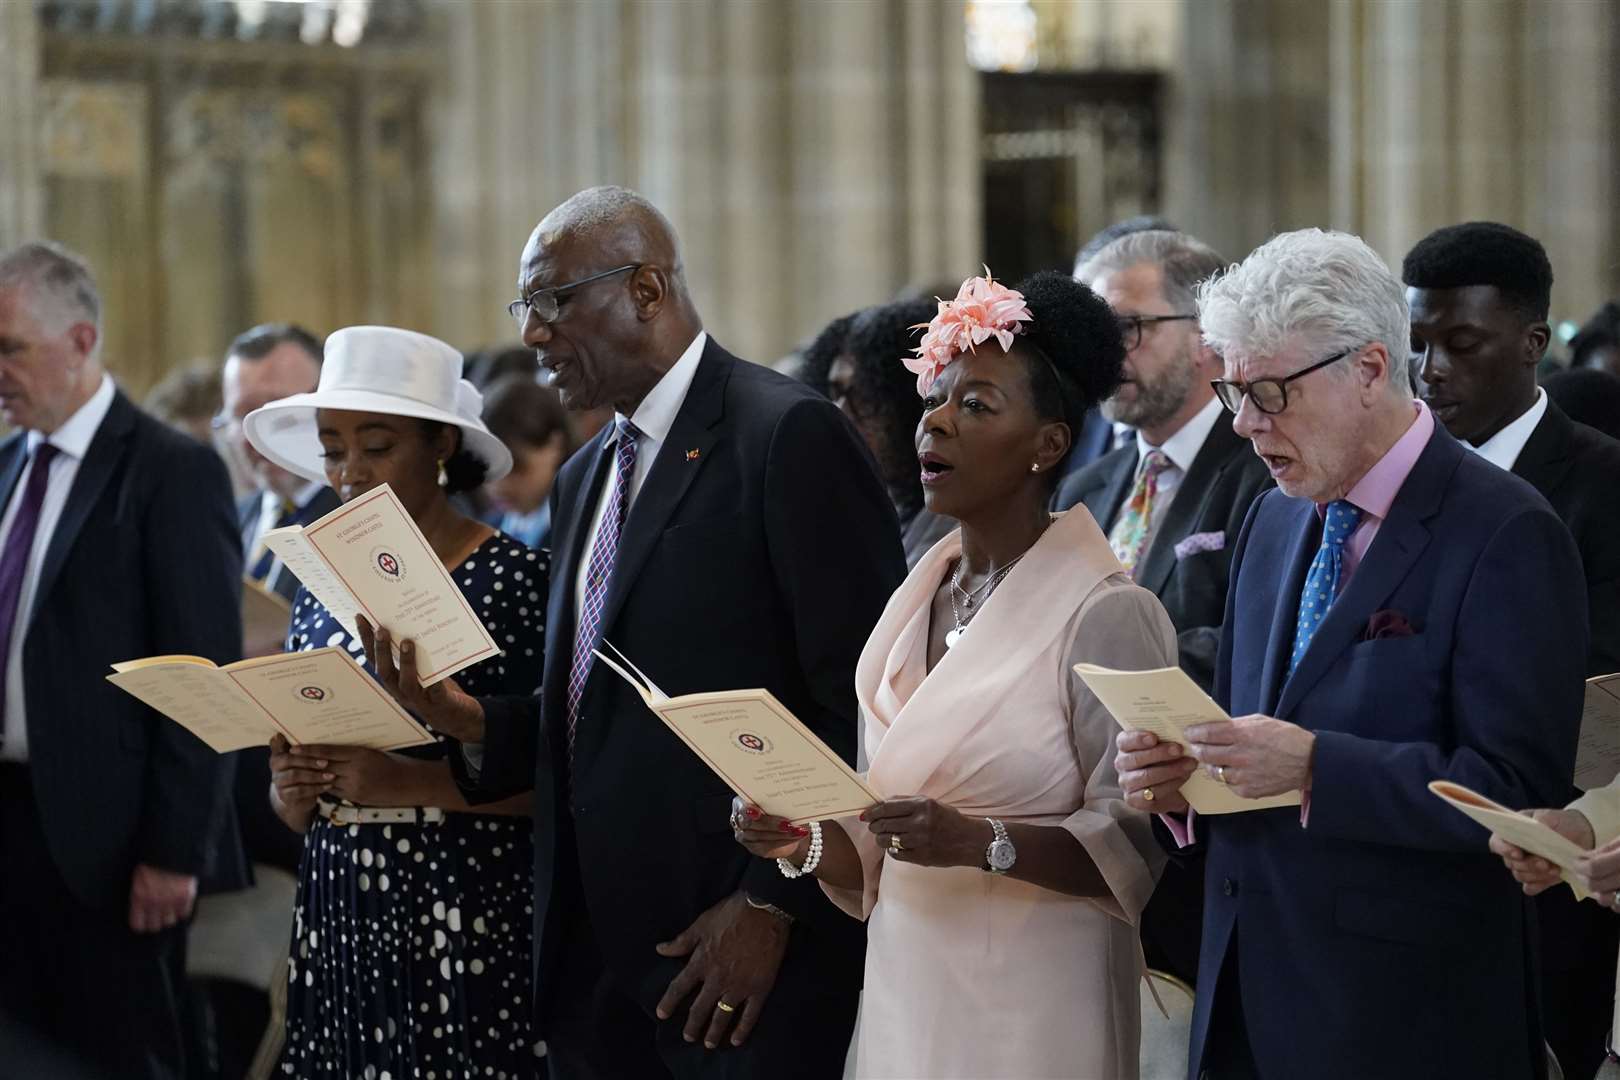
[
  {"x": 789, "y": 827},
  {"x": 753, "y": 813},
  {"x": 800, "y": 831}
]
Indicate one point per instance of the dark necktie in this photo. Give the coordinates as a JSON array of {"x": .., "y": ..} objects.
[
  {"x": 604, "y": 553},
  {"x": 267, "y": 558},
  {"x": 14, "y": 558}
]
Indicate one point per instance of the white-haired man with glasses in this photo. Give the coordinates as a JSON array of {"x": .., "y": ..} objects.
[{"x": 1400, "y": 612}]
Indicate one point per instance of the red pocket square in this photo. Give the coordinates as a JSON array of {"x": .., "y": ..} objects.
[{"x": 1388, "y": 624}]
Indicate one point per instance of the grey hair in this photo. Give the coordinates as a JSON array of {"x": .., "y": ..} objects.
[
  {"x": 595, "y": 208},
  {"x": 1328, "y": 288},
  {"x": 1184, "y": 261},
  {"x": 64, "y": 290}
]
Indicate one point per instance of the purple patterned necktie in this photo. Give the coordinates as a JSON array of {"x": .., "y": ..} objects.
[
  {"x": 14, "y": 559},
  {"x": 600, "y": 572}
]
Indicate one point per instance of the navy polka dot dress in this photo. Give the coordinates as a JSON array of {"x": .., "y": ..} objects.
[{"x": 411, "y": 943}]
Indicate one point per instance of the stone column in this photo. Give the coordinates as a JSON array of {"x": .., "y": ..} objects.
[
  {"x": 22, "y": 203},
  {"x": 1247, "y": 131}
]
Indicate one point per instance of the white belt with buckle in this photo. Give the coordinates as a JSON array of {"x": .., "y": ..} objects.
[{"x": 373, "y": 815}]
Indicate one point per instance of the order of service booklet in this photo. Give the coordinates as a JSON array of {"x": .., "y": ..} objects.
[
  {"x": 368, "y": 558},
  {"x": 1597, "y": 757},
  {"x": 1519, "y": 830},
  {"x": 760, "y": 749},
  {"x": 319, "y": 696},
  {"x": 1166, "y": 702}
]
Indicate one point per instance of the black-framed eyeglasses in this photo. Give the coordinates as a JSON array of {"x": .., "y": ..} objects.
[
  {"x": 1130, "y": 326},
  {"x": 543, "y": 302},
  {"x": 1270, "y": 396}
]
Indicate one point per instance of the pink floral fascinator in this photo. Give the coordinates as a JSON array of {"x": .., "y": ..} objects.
[{"x": 983, "y": 309}]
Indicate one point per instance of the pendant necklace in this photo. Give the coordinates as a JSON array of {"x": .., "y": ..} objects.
[{"x": 973, "y": 601}]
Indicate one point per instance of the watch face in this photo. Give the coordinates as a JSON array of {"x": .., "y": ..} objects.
[{"x": 1002, "y": 855}]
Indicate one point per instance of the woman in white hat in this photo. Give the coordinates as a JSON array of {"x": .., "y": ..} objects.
[{"x": 411, "y": 941}]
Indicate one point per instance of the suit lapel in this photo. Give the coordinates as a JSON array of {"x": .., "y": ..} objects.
[
  {"x": 1400, "y": 541},
  {"x": 1546, "y": 456},
  {"x": 569, "y": 538},
  {"x": 1305, "y": 533},
  {"x": 671, "y": 475},
  {"x": 13, "y": 459},
  {"x": 1105, "y": 503},
  {"x": 1221, "y": 445},
  {"x": 100, "y": 461}
]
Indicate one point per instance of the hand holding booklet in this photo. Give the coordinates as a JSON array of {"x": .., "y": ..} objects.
[
  {"x": 1520, "y": 830},
  {"x": 1166, "y": 702},
  {"x": 320, "y": 696},
  {"x": 757, "y": 747},
  {"x": 368, "y": 558}
]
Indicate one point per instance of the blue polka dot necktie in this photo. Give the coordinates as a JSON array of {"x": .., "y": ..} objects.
[{"x": 1325, "y": 575}]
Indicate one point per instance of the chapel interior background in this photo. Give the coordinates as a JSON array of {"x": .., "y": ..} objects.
[{"x": 228, "y": 162}]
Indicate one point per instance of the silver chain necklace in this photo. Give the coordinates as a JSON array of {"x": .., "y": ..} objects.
[{"x": 971, "y": 600}]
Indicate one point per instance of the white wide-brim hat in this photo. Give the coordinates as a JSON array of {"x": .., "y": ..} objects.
[{"x": 377, "y": 369}]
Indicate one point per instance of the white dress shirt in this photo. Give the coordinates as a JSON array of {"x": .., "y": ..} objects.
[
  {"x": 269, "y": 514},
  {"x": 1180, "y": 448},
  {"x": 1503, "y": 448},
  {"x": 72, "y": 442},
  {"x": 654, "y": 417}
]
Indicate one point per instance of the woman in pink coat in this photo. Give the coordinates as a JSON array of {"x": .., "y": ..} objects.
[{"x": 1003, "y": 876}]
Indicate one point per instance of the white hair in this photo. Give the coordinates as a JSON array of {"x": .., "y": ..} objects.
[
  {"x": 1327, "y": 290},
  {"x": 62, "y": 291}
]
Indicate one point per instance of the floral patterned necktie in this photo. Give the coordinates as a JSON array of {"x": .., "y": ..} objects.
[{"x": 1134, "y": 529}]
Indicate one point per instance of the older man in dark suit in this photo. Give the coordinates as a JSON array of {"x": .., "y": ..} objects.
[
  {"x": 1173, "y": 499},
  {"x": 1401, "y": 611},
  {"x": 727, "y": 531},
  {"x": 1479, "y": 295},
  {"x": 117, "y": 542}
]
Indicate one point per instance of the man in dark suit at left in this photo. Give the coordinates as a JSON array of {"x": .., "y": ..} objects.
[
  {"x": 117, "y": 542},
  {"x": 1479, "y": 295}
]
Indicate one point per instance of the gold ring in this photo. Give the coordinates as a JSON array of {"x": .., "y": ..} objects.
[
  {"x": 1147, "y": 794},
  {"x": 723, "y": 1007},
  {"x": 1220, "y": 773},
  {"x": 895, "y": 844}
]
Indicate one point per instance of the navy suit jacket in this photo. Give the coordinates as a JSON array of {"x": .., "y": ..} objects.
[
  {"x": 1384, "y": 939},
  {"x": 759, "y": 552},
  {"x": 144, "y": 561}
]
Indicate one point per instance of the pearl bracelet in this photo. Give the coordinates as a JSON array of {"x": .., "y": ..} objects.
[{"x": 811, "y": 861}]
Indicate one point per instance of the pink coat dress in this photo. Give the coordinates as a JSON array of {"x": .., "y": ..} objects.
[{"x": 969, "y": 974}]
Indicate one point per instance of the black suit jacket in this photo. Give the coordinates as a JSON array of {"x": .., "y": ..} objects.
[
  {"x": 1577, "y": 469},
  {"x": 1213, "y": 497},
  {"x": 247, "y": 523},
  {"x": 145, "y": 560},
  {"x": 759, "y": 552}
]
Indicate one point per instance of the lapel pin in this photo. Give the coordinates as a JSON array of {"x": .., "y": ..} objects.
[{"x": 693, "y": 454}]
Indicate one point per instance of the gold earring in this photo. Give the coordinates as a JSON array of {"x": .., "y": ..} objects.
[
  {"x": 444, "y": 478},
  {"x": 1035, "y": 467}
]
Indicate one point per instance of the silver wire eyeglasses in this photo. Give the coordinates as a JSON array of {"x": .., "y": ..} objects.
[{"x": 545, "y": 303}]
